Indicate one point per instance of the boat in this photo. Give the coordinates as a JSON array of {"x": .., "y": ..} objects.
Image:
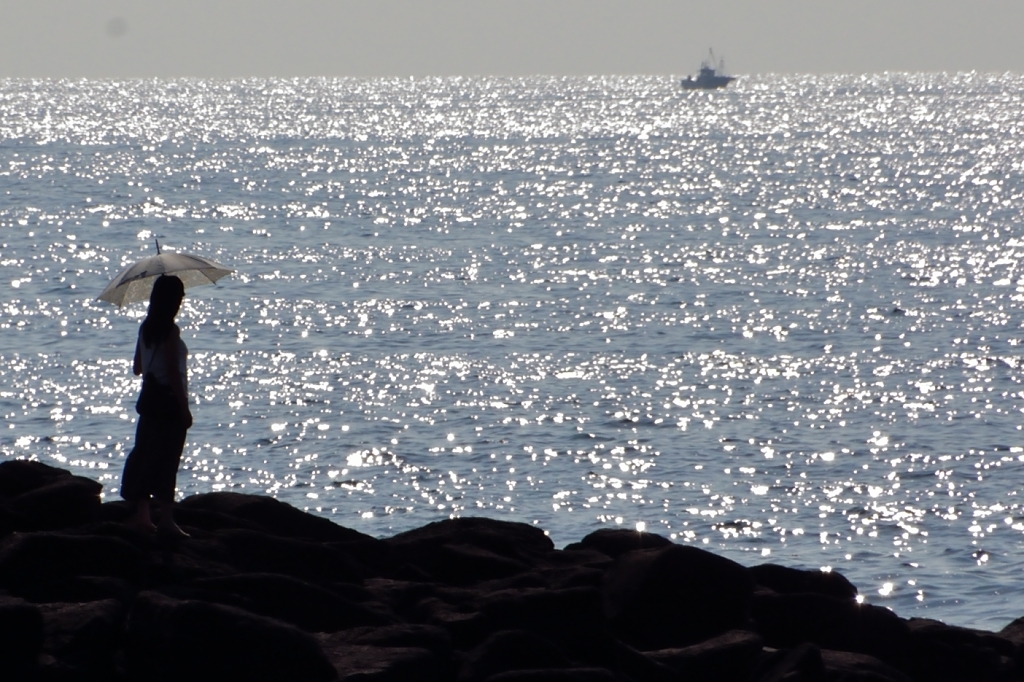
[{"x": 711, "y": 76}]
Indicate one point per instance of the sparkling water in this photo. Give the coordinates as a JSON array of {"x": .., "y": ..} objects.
[{"x": 781, "y": 321}]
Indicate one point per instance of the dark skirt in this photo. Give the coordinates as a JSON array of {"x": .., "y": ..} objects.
[{"x": 152, "y": 465}]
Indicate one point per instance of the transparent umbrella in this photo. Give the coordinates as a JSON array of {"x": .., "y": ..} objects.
[{"x": 136, "y": 281}]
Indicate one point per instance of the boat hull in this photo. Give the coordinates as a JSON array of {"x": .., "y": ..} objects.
[{"x": 713, "y": 83}]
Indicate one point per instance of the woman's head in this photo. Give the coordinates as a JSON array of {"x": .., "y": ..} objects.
[
  {"x": 165, "y": 299},
  {"x": 164, "y": 303}
]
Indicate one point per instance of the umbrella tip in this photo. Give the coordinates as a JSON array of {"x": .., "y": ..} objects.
[{"x": 157, "y": 245}]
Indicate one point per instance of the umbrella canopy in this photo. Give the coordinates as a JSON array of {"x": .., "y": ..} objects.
[{"x": 136, "y": 281}]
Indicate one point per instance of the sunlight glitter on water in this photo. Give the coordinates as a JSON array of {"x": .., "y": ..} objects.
[{"x": 781, "y": 321}]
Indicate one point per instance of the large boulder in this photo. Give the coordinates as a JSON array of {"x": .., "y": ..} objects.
[
  {"x": 469, "y": 550},
  {"x": 171, "y": 640},
  {"x": 675, "y": 596},
  {"x": 614, "y": 542},
  {"x": 36, "y": 496},
  {"x": 505, "y": 538},
  {"x": 307, "y": 606},
  {"x": 837, "y": 624},
  {"x": 31, "y": 561},
  {"x": 852, "y": 667},
  {"x": 399, "y": 635},
  {"x": 67, "y": 502},
  {"x": 728, "y": 657},
  {"x": 556, "y": 675},
  {"x": 273, "y": 516},
  {"x": 368, "y": 663},
  {"x": 466, "y": 626},
  {"x": 935, "y": 651},
  {"x": 19, "y": 476},
  {"x": 572, "y": 619},
  {"x": 84, "y": 637},
  {"x": 21, "y": 638},
  {"x": 511, "y": 650},
  {"x": 785, "y": 580},
  {"x": 248, "y": 551},
  {"x": 802, "y": 663}
]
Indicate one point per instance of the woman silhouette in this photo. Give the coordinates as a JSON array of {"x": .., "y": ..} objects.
[{"x": 164, "y": 418}]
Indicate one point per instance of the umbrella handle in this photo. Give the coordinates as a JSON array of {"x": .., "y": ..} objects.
[{"x": 157, "y": 245}]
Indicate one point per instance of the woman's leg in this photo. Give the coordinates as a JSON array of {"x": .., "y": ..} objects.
[
  {"x": 165, "y": 476},
  {"x": 136, "y": 473},
  {"x": 143, "y": 518}
]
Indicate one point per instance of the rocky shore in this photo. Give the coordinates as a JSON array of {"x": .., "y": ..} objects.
[{"x": 265, "y": 592}]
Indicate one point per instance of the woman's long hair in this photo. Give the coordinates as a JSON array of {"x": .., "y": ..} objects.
[{"x": 164, "y": 302}]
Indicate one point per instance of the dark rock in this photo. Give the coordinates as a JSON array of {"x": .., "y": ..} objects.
[
  {"x": 576, "y": 576},
  {"x": 731, "y": 656},
  {"x": 570, "y": 577},
  {"x": 838, "y": 624},
  {"x": 115, "y": 511},
  {"x": 374, "y": 556},
  {"x": 84, "y": 637},
  {"x": 252, "y": 552},
  {"x": 362, "y": 663},
  {"x": 1014, "y": 632},
  {"x": 463, "y": 564},
  {"x": 187, "y": 593},
  {"x": 9, "y": 521},
  {"x": 202, "y": 556},
  {"x": 211, "y": 520},
  {"x": 572, "y": 619},
  {"x": 580, "y": 557},
  {"x": 802, "y": 663},
  {"x": 635, "y": 665},
  {"x": 467, "y": 550},
  {"x": 555, "y": 675},
  {"x": 29, "y": 561},
  {"x": 519, "y": 581},
  {"x": 19, "y": 476},
  {"x": 926, "y": 628},
  {"x": 851, "y": 667},
  {"x": 505, "y": 538},
  {"x": 476, "y": 599},
  {"x": 66, "y": 502},
  {"x": 21, "y": 638},
  {"x": 294, "y": 601},
  {"x": 511, "y": 650},
  {"x": 401, "y": 595},
  {"x": 121, "y": 531},
  {"x": 937, "y": 651},
  {"x": 614, "y": 542},
  {"x": 402, "y": 635},
  {"x": 466, "y": 627},
  {"x": 274, "y": 516},
  {"x": 82, "y": 588},
  {"x": 792, "y": 580},
  {"x": 675, "y": 596},
  {"x": 171, "y": 640}
]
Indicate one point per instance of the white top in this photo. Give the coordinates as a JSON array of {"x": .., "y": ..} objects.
[{"x": 155, "y": 359}]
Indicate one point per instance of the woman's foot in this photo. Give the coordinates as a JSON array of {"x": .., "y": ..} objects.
[
  {"x": 142, "y": 521},
  {"x": 167, "y": 525}
]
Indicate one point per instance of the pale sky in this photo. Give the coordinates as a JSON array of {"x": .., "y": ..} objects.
[{"x": 232, "y": 38}]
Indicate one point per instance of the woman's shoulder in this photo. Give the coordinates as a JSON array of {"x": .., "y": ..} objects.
[{"x": 173, "y": 333}]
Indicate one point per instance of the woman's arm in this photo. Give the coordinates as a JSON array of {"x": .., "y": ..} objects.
[
  {"x": 178, "y": 382},
  {"x": 137, "y": 362}
]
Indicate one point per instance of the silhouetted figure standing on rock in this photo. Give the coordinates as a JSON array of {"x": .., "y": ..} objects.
[{"x": 164, "y": 417}]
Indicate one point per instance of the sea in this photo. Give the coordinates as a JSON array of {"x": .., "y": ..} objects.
[{"x": 782, "y": 322}]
